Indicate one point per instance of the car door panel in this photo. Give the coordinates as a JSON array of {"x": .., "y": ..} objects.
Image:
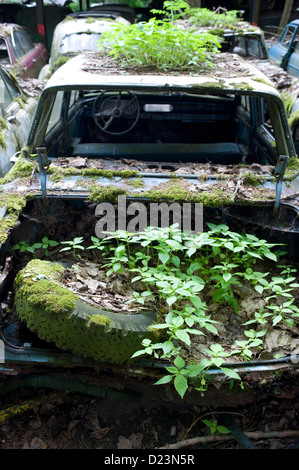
[{"x": 283, "y": 52}]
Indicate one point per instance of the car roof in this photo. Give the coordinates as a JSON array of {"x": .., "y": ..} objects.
[
  {"x": 73, "y": 24},
  {"x": 241, "y": 28},
  {"x": 230, "y": 73}
]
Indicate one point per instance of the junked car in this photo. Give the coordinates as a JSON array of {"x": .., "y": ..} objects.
[
  {"x": 285, "y": 52},
  {"x": 244, "y": 39},
  {"x": 141, "y": 230},
  {"x": 78, "y": 32},
  {"x": 18, "y": 52},
  {"x": 248, "y": 41}
]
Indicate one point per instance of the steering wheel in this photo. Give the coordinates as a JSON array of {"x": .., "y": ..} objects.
[{"x": 116, "y": 114}]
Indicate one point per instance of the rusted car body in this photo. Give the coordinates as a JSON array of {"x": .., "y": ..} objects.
[{"x": 77, "y": 33}]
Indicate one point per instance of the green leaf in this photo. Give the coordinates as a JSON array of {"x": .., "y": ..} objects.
[
  {"x": 138, "y": 353},
  {"x": 183, "y": 336},
  {"x": 181, "y": 385},
  {"x": 176, "y": 261},
  {"x": 163, "y": 257},
  {"x": 164, "y": 380},
  {"x": 53, "y": 243},
  {"x": 271, "y": 256},
  {"x": 259, "y": 289},
  {"x": 227, "y": 276},
  {"x": 230, "y": 373},
  {"x": 179, "y": 362},
  {"x": 223, "y": 430},
  {"x": 229, "y": 245},
  {"x": 216, "y": 348},
  {"x": 116, "y": 267},
  {"x": 171, "y": 300},
  {"x": 174, "y": 244},
  {"x": 211, "y": 328},
  {"x": 172, "y": 369},
  {"x": 37, "y": 245}
]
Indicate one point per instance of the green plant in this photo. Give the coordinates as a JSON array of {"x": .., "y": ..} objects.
[
  {"x": 73, "y": 245},
  {"x": 286, "y": 312},
  {"x": 116, "y": 261},
  {"x": 183, "y": 275},
  {"x": 159, "y": 43},
  {"x": 46, "y": 244},
  {"x": 244, "y": 347},
  {"x": 178, "y": 373},
  {"x": 215, "y": 427},
  {"x": 23, "y": 246},
  {"x": 98, "y": 244},
  {"x": 216, "y": 358},
  {"x": 206, "y": 17}
]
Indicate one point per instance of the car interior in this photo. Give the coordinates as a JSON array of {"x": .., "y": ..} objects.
[{"x": 168, "y": 126}]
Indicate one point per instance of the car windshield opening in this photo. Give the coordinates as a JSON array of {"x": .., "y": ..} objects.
[{"x": 168, "y": 126}]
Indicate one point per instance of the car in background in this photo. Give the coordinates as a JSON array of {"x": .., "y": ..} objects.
[
  {"x": 245, "y": 40},
  {"x": 115, "y": 8},
  {"x": 19, "y": 53},
  {"x": 247, "y": 43},
  {"x": 77, "y": 33},
  {"x": 285, "y": 52}
]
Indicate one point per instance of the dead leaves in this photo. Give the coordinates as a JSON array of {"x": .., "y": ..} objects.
[{"x": 91, "y": 285}]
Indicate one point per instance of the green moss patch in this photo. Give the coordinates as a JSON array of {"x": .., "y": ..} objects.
[
  {"x": 23, "y": 168},
  {"x": 13, "y": 204},
  {"x": 99, "y": 193},
  {"x": 57, "y": 172},
  {"x": 179, "y": 190},
  {"x": 55, "y": 314},
  {"x": 39, "y": 283}
]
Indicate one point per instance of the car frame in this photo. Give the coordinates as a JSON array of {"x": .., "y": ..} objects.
[{"x": 72, "y": 93}]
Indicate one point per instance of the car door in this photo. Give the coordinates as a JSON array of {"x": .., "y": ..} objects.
[
  {"x": 281, "y": 52},
  {"x": 15, "y": 119}
]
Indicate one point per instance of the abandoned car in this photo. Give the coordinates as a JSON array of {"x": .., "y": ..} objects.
[
  {"x": 77, "y": 33},
  {"x": 285, "y": 52},
  {"x": 18, "y": 53},
  {"x": 17, "y": 109},
  {"x": 96, "y": 282}
]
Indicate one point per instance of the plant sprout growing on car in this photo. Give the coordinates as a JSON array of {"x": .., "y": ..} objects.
[
  {"x": 23, "y": 247},
  {"x": 154, "y": 43},
  {"x": 167, "y": 266},
  {"x": 181, "y": 274},
  {"x": 73, "y": 245}
]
